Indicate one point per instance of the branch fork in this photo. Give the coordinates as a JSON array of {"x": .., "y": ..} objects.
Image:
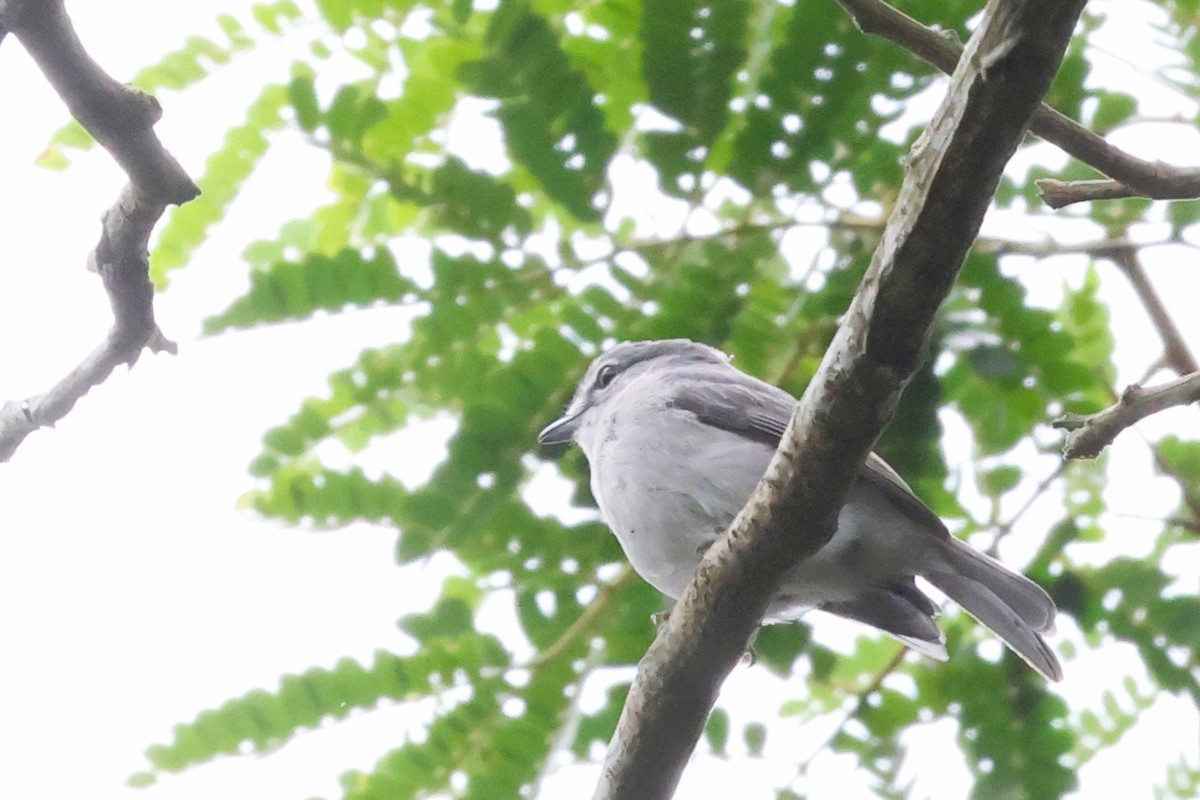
[
  {"x": 121, "y": 118},
  {"x": 1089, "y": 434},
  {"x": 1128, "y": 175}
]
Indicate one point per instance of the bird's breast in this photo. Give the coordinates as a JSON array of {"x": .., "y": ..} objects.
[{"x": 668, "y": 485}]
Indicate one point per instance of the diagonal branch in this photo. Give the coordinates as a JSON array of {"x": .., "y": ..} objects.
[
  {"x": 1176, "y": 353},
  {"x": 1091, "y": 433},
  {"x": 121, "y": 119},
  {"x": 952, "y": 173},
  {"x": 119, "y": 116},
  {"x": 120, "y": 258},
  {"x": 1131, "y": 176},
  {"x": 861, "y": 701}
]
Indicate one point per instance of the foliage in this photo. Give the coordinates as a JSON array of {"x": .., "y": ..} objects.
[{"x": 773, "y": 134}]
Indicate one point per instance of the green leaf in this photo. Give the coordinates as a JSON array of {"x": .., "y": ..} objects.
[
  {"x": 475, "y": 204},
  {"x": 1183, "y": 457},
  {"x": 302, "y": 94},
  {"x": 814, "y": 103},
  {"x": 1113, "y": 109},
  {"x": 352, "y": 113},
  {"x": 1010, "y": 726},
  {"x": 551, "y": 123},
  {"x": 428, "y": 95},
  {"x": 755, "y": 737},
  {"x": 1182, "y": 213},
  {"x": 1001, "y": 479},
  {"x": 290, "y": 291},
  {"x": 778, "y": 646},
  {"x": 717, "y": 730},
  {"x": 265, "y": 720},
  {"x": 225, "y": 172},
  {"x": 341, "y": 13},
  {"x": 692, "y": 52}
]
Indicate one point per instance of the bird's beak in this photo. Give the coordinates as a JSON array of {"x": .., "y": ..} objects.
[{"x": 561, "y": 431}]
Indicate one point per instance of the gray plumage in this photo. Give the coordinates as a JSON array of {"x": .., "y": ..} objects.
[{"x": 677, "y": 438}]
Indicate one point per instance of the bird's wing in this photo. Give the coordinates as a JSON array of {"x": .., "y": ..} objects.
[
  {"x": 759, "y": 411},
  {"x": 738, "y": 404}
]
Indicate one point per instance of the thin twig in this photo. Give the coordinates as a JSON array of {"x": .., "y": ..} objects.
[
  {"x": 1189, "y": 525},
  {"x": 585, "y": 620},
  {"x": 1088, "y": 434},
  {"x": 1047, "y": 248},
  {"x": 1176, "y": 353},
  {"x": 120, "y": 258},
  {"x": 1044, "y": 248},
  {"x": 860, "y": 703},
  {"x": 1005, "y": 528},
  {"x": 571, "y": 717}
]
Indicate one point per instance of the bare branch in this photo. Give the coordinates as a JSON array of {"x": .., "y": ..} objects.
[
  {"x": 1046, "y": 248},
  {"x": 861, "y": 699},
  {"x": 582, "y": 626},
  {"x": 1179, "y": 184},
  {"x": 1006, "y": 527},
  {"x": 1008, "y": 66},
  {"x": 120, "y": 258},
  {"x": 1091, "y": 433},
  {"x": 1138, "y": 178},
  {"x": 1176, "y": 353},
  {"x": 1134, "y": 176},
  {"x": 121, "y": 118}
]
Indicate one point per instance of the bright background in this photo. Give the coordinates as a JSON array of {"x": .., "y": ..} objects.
[{"x": 134, "y": 593}]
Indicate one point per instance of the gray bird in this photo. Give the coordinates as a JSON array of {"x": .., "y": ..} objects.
[{"x": 677, "y": 438}]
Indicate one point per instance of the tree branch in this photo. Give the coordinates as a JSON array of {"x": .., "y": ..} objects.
[
  {"x": 119, "y": 116},
  {"x": 1006, "y": 527},
  {"x": 1091, "y": 433},
  {"x": 1044, "y": 248},
  {"x": 1131, "y": 176},
  {"x": 1177, "y": 183},
  {"x": 1047, "y": 247},
  {"x": 121, "y": 119},
  {"x": 861, "y": 699},
  {"x": 1176, "y": 353},
  {"x": 6, "y": 15},
  {"x": 1008, "y": 66},
  {"x": 120, "y": 258}
]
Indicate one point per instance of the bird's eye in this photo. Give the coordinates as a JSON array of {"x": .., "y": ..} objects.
[{"x": 605, "y": 376}]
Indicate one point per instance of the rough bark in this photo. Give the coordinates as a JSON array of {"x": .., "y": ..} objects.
[{"x": 121, "y": 118}]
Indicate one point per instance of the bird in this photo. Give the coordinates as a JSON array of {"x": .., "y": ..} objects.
[{"x": 676, "y": 438}]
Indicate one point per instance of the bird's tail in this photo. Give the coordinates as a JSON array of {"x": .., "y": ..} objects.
[{"x": 1015, "y": 608}]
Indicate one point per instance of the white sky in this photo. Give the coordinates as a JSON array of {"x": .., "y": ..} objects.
[{"x": 133, "y": 594}]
